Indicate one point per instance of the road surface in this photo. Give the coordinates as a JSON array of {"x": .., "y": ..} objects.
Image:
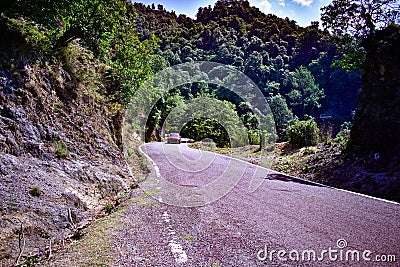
[{"x": 204, "y": 209}]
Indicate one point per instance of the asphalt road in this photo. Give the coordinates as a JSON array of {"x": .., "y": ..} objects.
[{"x": 212, "y": 210}]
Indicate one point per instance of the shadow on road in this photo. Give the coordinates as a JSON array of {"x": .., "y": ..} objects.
[{"x": 284, "y": 178}]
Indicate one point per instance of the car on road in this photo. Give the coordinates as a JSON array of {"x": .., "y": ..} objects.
[{"x": 174, "y": 138}]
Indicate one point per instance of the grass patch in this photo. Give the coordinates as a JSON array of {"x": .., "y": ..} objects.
[
  {"x": 189, "y": 238},
  {"x": 142, "y": 202},
  {"x": 122, "y": 196},
  {"x": 152, "y": 192},
  {"x": 95, "y": 248}
]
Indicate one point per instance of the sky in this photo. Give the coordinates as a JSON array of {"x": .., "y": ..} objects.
[{"x": 302, "y": 11}]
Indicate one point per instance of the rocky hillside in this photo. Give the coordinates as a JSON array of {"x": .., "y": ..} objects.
[
  {"x": 66, "y": 72},
  {"x": 59, "y": 163}
]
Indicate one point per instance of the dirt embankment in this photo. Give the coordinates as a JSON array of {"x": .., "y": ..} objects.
[{"x": 59, "y": 164}]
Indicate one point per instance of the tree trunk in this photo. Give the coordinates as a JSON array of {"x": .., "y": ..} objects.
[{"x": 376, "y": 130}]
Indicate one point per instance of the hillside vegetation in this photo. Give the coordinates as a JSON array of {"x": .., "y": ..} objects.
[{"x": 290, "y": 64}]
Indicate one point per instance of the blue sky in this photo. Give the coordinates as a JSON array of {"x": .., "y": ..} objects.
[{"x": 302, "y": 11}]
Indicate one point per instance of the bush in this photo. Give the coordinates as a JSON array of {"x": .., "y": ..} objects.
[
  {"x": 254, "y": 137},
  {"x": 134, "y": 186},
  {"x": 35, "y": 192},
  {"x": 60, "y": 149},
  {"x": 109, "y": 208},
  {"x": 303, "y": 133},
  {"x": 343, "y": 140}
]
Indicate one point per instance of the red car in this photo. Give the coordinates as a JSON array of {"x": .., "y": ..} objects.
[{"x": 174, "y": 138}]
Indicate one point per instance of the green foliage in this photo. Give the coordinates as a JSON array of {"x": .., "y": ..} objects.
[
  {"x": 346, "y": 127},
  {"x": 130, "y": 63},
  {"x": 34, "y": 35},
  {"x": 130, "y": 151},
  {"x": 282, "y": 114},
  {"x": 35, "y": 192},
  {"x": 121, "y": 197},
  {"x": 343, "y": 137},
  {"x": 353, "y": 56},
  {"x": 268, "y": 49},
  {"x": 133, "y": 186},
  {"x": 304, "y": 93},
  {"x": 60, "y": 149},
  {"x": 104, "y": 27},
  {"x": 305, "y": 168},
  {"x": 30, "y": 261},
  {"x": 206, "y": 117},
  {"x": 189, "y": 238},
  {"x": 353, "y": 21},
  {"x": 109, "y": 208},
  {"x": 303, "y": 133},
  {"x": 254, "y": 137},
  {"x": 205, "y": 128},
  {"x": 84, "y": 69},
  {"x": 343, "y": 140},
  {"x": 359, "y": 18},
  {"x": 308, "y": 151}
]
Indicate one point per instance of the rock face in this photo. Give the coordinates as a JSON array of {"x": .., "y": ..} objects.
[
  {"x": 55, "y": 137},
  {"x": 376, "y": 130}
]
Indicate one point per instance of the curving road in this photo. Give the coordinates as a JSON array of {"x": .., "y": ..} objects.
[{"x": 210, "y": 210}]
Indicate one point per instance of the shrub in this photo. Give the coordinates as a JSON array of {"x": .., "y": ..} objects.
[
  {"x": 343, "y": 137},
  {"x": 343, "y": 140},
  {"x": 308, "y": 151},
  {"x": 35, "y": 192},
  {"x": 109, "y": 208},
  {"x": 254, "y": 137},
  {"x": 60, "y": 149},
  {"x": 34, "y": 35},
  {"x": 134, "y": 186},
  {"x": 303, "y": 133}
]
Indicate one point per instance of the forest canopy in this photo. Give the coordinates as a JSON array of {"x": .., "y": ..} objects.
[{"x": 290, "y": 64}]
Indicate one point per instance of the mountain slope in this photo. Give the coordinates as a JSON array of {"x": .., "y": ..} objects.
[{"x": 59, "y": 162}]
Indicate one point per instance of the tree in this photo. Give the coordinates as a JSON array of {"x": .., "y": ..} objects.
[
  {"x": 105, "y": 27},
  {"x": 367, "y": 30},
  {"x": 266, "y": 48},
  {"x": 282, "y": 114},
  {"x": 304, "y": 93},
  {"x": 359, "y": 18},
  {"x": 206, "y": 117},
  {"x": 352, "y": 22}
]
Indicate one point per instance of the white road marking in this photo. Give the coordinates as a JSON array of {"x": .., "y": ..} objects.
[{"x": 176, "y": 248}]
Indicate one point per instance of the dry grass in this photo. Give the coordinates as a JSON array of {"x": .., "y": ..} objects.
[{"x": 95, "y": 247}]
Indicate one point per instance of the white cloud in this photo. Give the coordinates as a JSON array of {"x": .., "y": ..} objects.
[
  {"x": 304, "y": 2},
  {"x": 265, "y": 5},
  {"x": 281, "y": 2}
]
